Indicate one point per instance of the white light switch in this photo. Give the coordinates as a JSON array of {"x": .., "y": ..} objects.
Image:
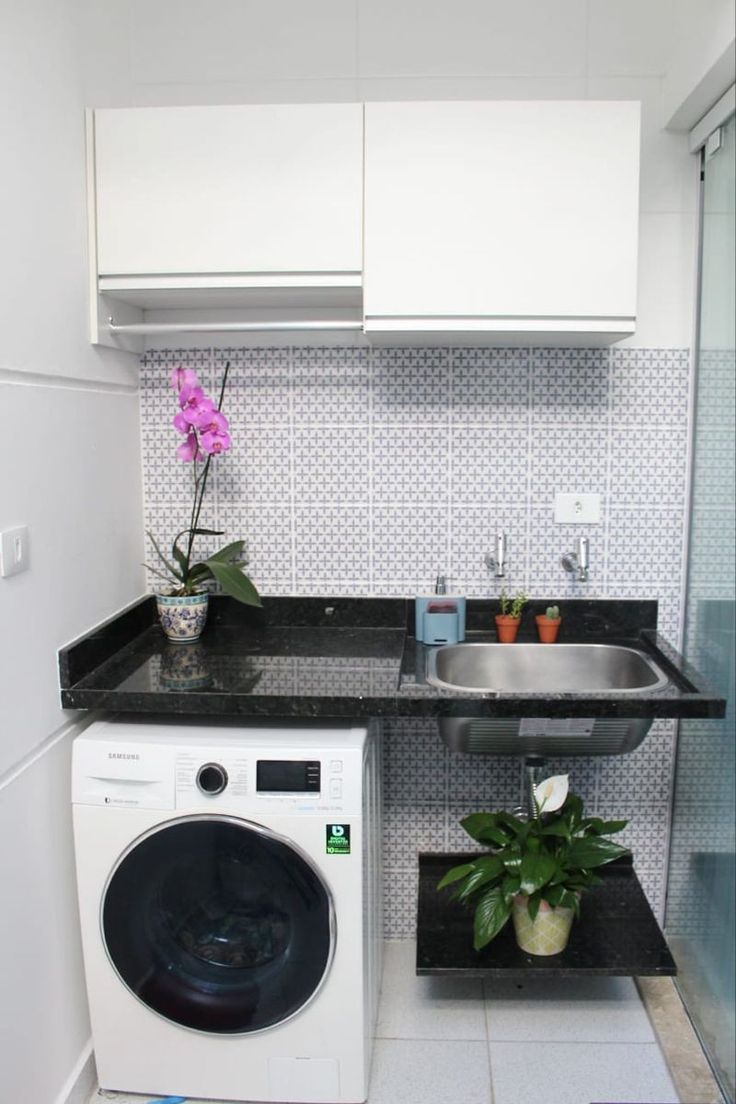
[
  {"x": 14, "y": 551},
  {"x": 581, "y": 508}
]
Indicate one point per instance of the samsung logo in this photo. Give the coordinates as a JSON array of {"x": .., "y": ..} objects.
[{"x": 122, "y": 755}]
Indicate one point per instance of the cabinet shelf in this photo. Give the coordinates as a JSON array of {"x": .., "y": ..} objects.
[{"x": 616, "y": 935}]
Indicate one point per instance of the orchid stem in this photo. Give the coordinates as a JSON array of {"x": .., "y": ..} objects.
[{"x": 200, "y": 481}]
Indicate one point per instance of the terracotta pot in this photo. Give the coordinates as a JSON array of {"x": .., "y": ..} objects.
[
  {"x": 548, "y": 933},
  {"x": 182, "y": 619},
  {"x": 507, "y": 628},
  {"x": 547, "y": 627}
]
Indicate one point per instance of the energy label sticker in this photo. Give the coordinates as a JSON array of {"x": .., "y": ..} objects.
[{"x": 338, "y": 839}]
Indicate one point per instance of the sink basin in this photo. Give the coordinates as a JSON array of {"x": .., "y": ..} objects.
[
  {"x": 540, "y": 668},
  {"x": 552, "y": 669}
]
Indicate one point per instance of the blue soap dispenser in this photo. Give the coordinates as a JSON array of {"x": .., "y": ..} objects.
[{"x": 439, "y": 617}]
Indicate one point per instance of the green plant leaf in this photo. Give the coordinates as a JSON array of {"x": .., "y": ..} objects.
[
  {"x": 155, "y": 571},
  {"x": 234, "y": 582},
  {"x": 491, "y": 913},
  {"x": 493, "y": 835},
  {"x": 569, "y": 900},
  {"x": 557, "y": 828},
  {"x": 485, "y": 870},
  {"x": 483, "y": 827},
  {"x": 586, "y": 852},
  {"x": 536, "y": 870},
  {"x": 511, "y": 886},
  {"x": 518, "y": 827},
  {"x": 230, "y": 552},
  {"x": 609, "y": 826},
  {"x": 206, "y": 532},
  {"x": 454, "y": 875},
  {"x": 198, "y": 572},
  {"x": 167, "y": 563},
  {"x": 180, "y": 559},
  {"x": 532, "y": 907},
  {"x": 562, "y": 876},
  {"x": 581, "y": 879},
  {"x": 553, "y": 893}
]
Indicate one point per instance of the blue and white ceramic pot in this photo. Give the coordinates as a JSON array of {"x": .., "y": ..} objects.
[
  {"x": 182, "y": 619},
  {"x": 185, "y": 668}
]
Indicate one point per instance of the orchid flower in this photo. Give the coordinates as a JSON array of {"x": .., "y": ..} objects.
[
  {"x": 179, "y": 422},
  {"x": 551, "y": 794},
  {"x": 214, "y": 429},
  {"x": 190, "y": 449},
  {"x": 211, "y": 421},
  {"x": 193, "y": 403},
  {"x": 183, "y": 377},
  {"x": 214, "y": 443},
  {"x": 193, "y": 412}
]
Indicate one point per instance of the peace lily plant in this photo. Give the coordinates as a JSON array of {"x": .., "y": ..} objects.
[
  {"x": 206, "y": 435},
  {"x": 536, "y": 865}
]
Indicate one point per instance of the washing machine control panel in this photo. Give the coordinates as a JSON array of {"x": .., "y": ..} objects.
[
  {"x": 231, "y": 769},
  {"x": 259, "y": 781}
]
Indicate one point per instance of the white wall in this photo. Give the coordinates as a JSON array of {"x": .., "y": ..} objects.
[
  {"x": 156, "y": 52},
  {"x": 70, "y": 469},
  {"x": 702, "y": 61}
]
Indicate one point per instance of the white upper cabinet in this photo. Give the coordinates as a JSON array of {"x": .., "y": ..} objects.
[
  {"x": 263, "y": 191},
  {"x": 487, "y": 220},
  {"x": 501, "y": 217}
]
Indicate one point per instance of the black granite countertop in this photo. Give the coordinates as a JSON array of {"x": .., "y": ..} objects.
[
  {"x": 617, "y": 934},
  {"x": 348, "y": 657}
]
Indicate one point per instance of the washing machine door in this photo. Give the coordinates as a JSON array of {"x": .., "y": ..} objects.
[{"x": 218, "y": 924}]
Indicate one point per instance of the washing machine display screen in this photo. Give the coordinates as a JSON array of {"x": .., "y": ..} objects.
[
  {"x": 287, "y": 776},
  {"x": 217, "y": 925}
]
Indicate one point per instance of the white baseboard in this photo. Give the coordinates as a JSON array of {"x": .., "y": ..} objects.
[{"x": 80, "y": 1083}]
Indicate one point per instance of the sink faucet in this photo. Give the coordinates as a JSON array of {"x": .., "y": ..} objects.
[
  {"x": 578, "y": 561},
  {"x": 497, "y": 563}
]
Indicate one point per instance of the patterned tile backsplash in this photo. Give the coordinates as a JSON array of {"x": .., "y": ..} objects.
[{"x": 357, "y": 471}]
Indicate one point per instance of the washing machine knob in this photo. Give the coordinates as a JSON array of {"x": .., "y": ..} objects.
[{"x": 211, "y": 779}]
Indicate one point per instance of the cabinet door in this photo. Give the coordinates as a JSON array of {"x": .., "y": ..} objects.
[
  {"x": 501, "y": 215},
  {"x": 243, "y": 189}
]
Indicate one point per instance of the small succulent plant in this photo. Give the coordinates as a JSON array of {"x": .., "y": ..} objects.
[
  {"x": 553, "y": 613},
  {"x": 512, "y": 606}
]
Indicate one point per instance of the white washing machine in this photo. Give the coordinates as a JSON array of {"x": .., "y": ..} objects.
[{"x": 229, "y": 892}]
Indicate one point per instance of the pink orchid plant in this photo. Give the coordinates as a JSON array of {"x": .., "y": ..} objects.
[{"x": 205, "y": 430}]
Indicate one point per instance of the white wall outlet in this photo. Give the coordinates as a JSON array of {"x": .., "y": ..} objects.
[
  {"x": 584, "y": 509},
  {"x": 14, "y": 551}
]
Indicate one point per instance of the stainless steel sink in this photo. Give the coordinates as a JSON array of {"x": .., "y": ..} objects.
[{"x": 543, "y": 668}]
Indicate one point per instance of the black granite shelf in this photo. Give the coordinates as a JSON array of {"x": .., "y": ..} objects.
[
  {"x": 346, "y": 658},
  {"x": 616, "y": 934}
]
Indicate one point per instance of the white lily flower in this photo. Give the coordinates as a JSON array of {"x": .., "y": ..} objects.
[{"x": 551, "y": 794}]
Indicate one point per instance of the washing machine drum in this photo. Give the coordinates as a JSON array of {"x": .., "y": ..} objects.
[{"x": 218, "y": 924}]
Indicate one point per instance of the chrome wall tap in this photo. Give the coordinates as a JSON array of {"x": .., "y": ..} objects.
[
  {"x": 578, "y": 561},
  {"x": 497, "y": 563}
]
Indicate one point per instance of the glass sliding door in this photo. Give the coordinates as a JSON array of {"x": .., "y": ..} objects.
[{"x": 700, "y": 921}]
